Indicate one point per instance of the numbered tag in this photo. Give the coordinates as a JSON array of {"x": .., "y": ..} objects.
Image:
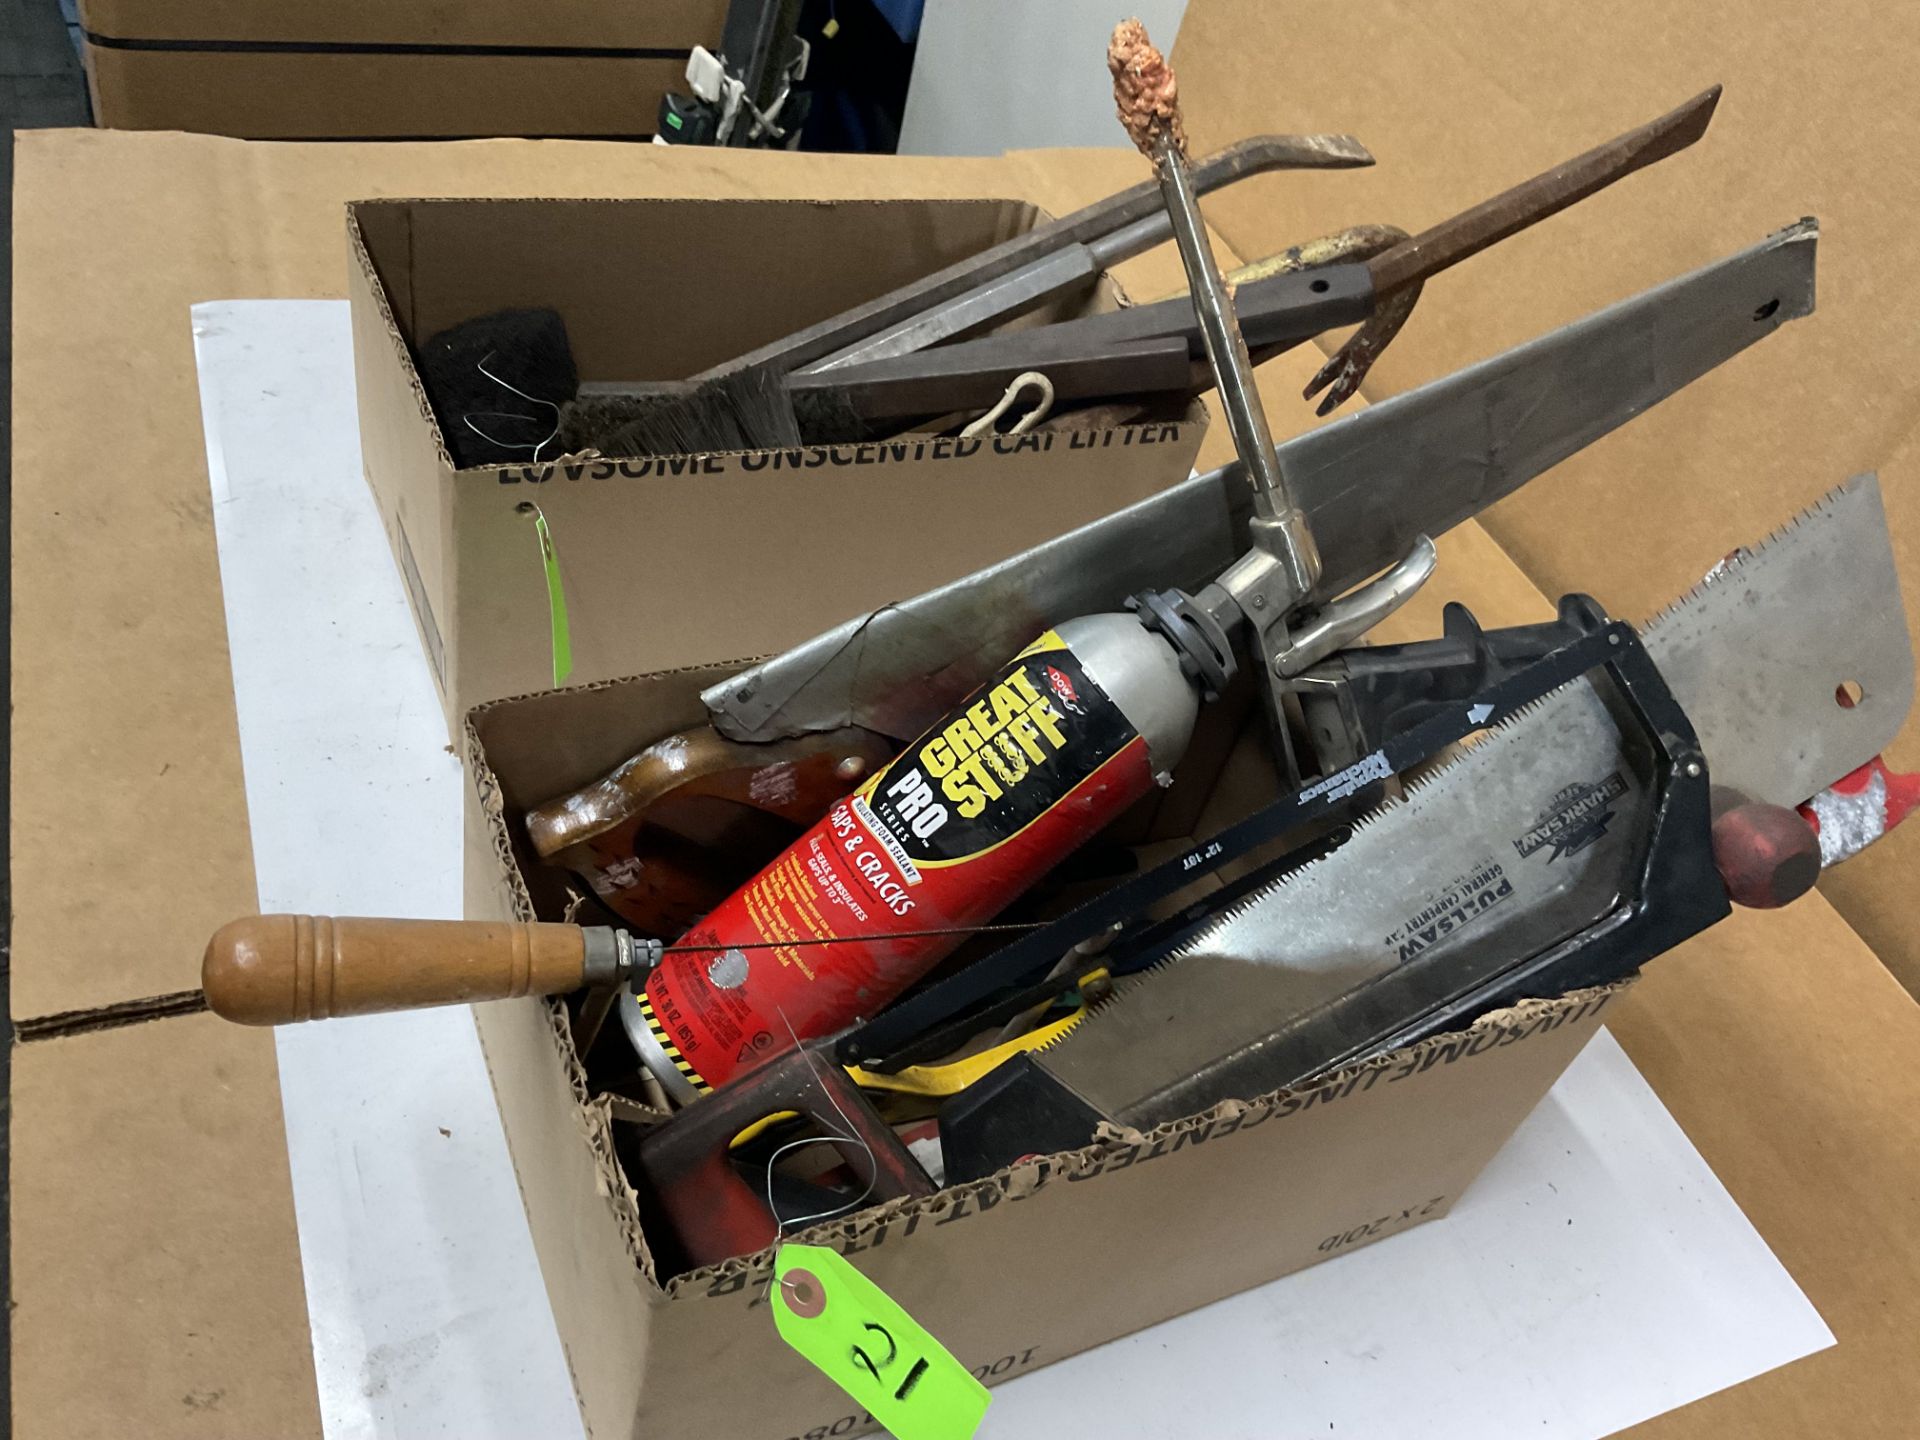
[{"x": 871, "y": 1348}]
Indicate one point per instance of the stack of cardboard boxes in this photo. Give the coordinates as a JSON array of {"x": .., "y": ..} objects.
[{"x": 268, "y": 69}]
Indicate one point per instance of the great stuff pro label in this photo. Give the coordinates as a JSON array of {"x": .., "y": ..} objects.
[{"x": 963, "y": 820}]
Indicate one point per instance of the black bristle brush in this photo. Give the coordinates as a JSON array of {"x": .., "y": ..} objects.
[
  {"x": 498, "y": 384},
  {"x": 750, "y": 409}
]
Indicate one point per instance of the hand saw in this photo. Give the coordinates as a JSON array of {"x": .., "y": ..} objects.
[
  {"x": 1417, "y": 464},
  {"x": 1575, "y": 842},
  {"x": 1568, "y": 847},
  {"x": 1562, "y": 851}
]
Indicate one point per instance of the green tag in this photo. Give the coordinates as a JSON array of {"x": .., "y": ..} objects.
[
  {"x": 556, "y": 602},
  {"x": 871, "y": 1348}
]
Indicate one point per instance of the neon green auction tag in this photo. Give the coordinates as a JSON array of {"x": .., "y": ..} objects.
[
  {"x": 556, "y": 602},
  {"x": 871, "y": 1348}
]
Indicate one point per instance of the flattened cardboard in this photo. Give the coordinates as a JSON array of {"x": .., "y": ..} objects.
[
  {"x": 272, "y": 69},
  {"x": 1786, "y": 1053},
  {"x": 156, "y": 1273},
  {"x": 1259, "y": 1190},
  {"x": 676, "y": 559},
  {"x": 1818, "y": 118},
  {"x": 1779, "y": 1041}
]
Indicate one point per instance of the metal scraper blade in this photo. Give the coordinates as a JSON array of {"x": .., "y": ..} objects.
[
  {"x": 1761, "y": 653},
  {"x": 1526, "y": 838}
]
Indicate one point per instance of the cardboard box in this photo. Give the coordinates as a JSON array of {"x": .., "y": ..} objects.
[
  {"x": 676, "y": 560},
  {"x": 1779, "y": 1041},
  {"x": 276, "y": 69},
  {"x": 1260, "y": 1189}
]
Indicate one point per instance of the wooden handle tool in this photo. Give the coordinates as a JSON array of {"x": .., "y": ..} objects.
[
  {"x": 1767, "y": 855},
  {"x": 280, "y": 969}
]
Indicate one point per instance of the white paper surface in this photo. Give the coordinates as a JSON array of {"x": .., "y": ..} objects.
[
  {"x": 428, "y": 1312},
  {"x": 1598, "y": 1274}
]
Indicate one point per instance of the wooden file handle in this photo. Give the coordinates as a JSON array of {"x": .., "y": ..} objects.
[{"x": 278, "y": 969}]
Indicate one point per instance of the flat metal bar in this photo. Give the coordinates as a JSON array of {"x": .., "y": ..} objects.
[
  {"x": 1419, "y": 463},
  {"x": 1532, "y": 201},
  {"x": 1013, "y": 294},
  {"x": 1032, "y": 285},
  {"x": 1249, "y": 157},
  {"x": 1278, "y": 311},
  {"x": 944, "y": 380}
]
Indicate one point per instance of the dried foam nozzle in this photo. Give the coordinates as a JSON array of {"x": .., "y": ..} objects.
[{"x": 1144, "y": 90}]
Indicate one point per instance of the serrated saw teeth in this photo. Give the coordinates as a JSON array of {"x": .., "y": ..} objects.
[
  {"x": 1742, "y": 556},
  {"x": 1715, "y": 647}
]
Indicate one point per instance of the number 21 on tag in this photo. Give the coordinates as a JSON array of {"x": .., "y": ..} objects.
[{"x": 871, "y": 1348}]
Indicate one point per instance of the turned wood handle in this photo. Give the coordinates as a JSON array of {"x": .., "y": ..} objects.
[
  {"x": 278, "y": 969},
  {"x": 1767, "y": 855},
  {"x": 796, "y": 778}
]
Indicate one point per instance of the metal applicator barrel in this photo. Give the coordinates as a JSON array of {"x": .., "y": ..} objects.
[{"x": 1147, "y": 98}]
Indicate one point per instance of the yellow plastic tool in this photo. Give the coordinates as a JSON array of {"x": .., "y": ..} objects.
[{"x": 939, "y": 1081}]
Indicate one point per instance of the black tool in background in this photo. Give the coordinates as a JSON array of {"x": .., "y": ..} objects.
[{"x": 857, "y": 77}]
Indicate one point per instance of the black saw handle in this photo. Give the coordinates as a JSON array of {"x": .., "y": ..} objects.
[{"x": 1673, "y": 891}]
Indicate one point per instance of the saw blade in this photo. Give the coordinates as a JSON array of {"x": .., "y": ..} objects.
[
  {"x": 1527, "y": 837},
  {"x": 1792, "y": 658}
]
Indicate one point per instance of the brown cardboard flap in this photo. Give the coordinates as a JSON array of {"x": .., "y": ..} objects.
[
  {"x": 704, "y": 274},
  {"x": 656, "y": 24},
  {"x": 577, "y": 735},
  {"x": 156, "y": 1274},
  {"x": 1459, "y": 102},
  {"x": 1785, "y": 1050}
]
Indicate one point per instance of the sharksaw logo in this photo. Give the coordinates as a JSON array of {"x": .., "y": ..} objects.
[{"x": 1577, "y": 817}]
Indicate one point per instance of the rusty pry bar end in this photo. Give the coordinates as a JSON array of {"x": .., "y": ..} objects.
[
  {"x": 1399, "y": 269},
  {"x": 1145, "y": 93},
  {"x": 1532, "y": 201}
]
